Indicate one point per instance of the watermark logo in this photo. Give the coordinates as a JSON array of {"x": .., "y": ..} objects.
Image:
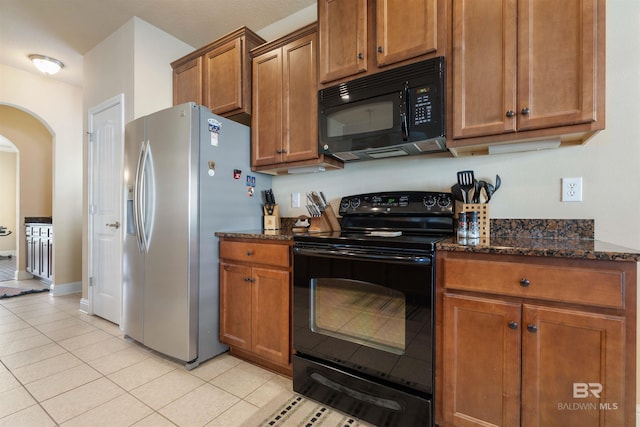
[{"x": 584, "y": 391}]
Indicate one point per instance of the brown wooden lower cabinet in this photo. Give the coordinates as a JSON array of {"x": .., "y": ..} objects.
[
  {"x": 255, "y": 302},
  {"x": 513, "y": 360}
]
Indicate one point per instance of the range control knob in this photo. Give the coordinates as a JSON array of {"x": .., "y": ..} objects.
[
  {"x": 429, "y": 201},
  {"x": 355, "y": 203},
  {"x": 344, "y": 204},
  {"x": 444, "y": 201}
]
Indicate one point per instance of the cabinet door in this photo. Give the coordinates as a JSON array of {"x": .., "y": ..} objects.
[
  {"x": 300, "y": 100},
  {"x": 187, "y": 82},
  {"x": 49, "y": 272},
  {"x": 562, "y": 348},
  {"x": 37, "y": 253},
  {"x": 266, "y": 120},
  {"x": 270, "y": 304},
  {"x": 235, "y": 305},
  {"x": 484, "y": 67},
  {"x": 405, "y": 29},
  {"x": 481, "y": 366},
  {"x": 222, "y": 70},
  {"x": 556, "y": 62},
  {"x": 343, "y": 38},
  {"x": 30, "y": 254}
]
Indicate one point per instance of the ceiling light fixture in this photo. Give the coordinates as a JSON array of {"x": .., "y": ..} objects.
[{"x": 45, "y": 64}]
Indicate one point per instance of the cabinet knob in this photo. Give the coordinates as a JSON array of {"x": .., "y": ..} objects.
[
  {"x": 278, "y": 151},
  {"x": 525, "y": 111},
  {"x": 249, "y": 253},
  {"x": 247, "y": 279},
  {"x": 532, "y": 328},
  {"x": 510, "y": 113},
  {"x": 513, "y": 325},
  {"x": 360, "y": 55},
  {"x": 380, "y": 50},
  {"x": 524, "y": 282}
]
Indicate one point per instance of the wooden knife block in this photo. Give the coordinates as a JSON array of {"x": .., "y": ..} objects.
[
  {"x": 272, "y": 222},
  {"x": 326, "y": 222}
]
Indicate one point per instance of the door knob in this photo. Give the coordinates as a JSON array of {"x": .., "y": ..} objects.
[{"x": 115, "y": 225}]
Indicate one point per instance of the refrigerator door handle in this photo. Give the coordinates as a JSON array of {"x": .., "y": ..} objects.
[
  {"x": 146, "y": 197},
  {"x": 137, "y": 191}
]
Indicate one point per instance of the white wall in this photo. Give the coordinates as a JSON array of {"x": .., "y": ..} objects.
[
  {"x": 154, "y": 51},
  {"x": 59, "y": 107},
  {"x": 609, "y": 162},
  {"x": 135, "y": 61}
]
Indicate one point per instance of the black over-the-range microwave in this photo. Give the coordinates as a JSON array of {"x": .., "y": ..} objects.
[{"x": 398, "y": 112}]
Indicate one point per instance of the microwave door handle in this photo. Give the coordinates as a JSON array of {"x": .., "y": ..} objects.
[
  {"x": 403, "y": 115},
  {"x": 405, "y": 129}
]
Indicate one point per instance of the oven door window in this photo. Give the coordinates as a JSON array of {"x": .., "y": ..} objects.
[{"x": 359, "y": 312}]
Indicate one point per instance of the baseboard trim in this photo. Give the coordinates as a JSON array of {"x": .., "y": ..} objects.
[
  {"x": 84, "y": 305},
  {"x": 65, "y": 288},
  {"x": 23, "y": 275}
]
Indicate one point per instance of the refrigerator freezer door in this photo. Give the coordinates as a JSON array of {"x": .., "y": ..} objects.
[
  {"x": 133, "y": 259},
  {"x": 171, "y": 201}
]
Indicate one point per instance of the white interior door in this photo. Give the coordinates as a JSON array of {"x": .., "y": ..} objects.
[{"x": 106, "y": 150}]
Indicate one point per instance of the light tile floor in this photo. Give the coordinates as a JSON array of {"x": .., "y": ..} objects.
[{"x": 61, "y": 367}]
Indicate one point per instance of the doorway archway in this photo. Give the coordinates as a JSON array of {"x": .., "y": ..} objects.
[{"x": 34, "y": 177}]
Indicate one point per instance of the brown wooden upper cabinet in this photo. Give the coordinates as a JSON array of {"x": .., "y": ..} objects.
[
  {"x": 397, "y": 31},
  {"x": 534, "y": 67},
  {"x": 285, "y": 104},
  {"x": 218, "y": 75}
]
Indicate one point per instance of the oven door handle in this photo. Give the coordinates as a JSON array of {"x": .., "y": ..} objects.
[{"x": 393, "y": 257}]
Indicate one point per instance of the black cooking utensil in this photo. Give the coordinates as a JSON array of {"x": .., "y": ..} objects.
[
  {"x": 477, "y": 187},
  {"x": 466, "y": 182},
  {"x": 457, "y": 193}
]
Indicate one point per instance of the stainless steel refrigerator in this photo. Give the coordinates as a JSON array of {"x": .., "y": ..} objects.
[{"x": 186, "y": 175}]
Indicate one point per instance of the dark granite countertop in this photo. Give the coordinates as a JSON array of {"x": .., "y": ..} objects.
[
  {"x": 38, "y": 220},
  {"x": 530, "y": 237},
  {"x": 257, "y": 234},
  {"x": 563, "y": 238},
  {"x": 562, "y": 248}
]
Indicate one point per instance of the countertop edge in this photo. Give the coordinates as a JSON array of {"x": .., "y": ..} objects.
[{"x": 599, "y": 250}]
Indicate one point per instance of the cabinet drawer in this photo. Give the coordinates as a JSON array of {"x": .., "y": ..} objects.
[
  {"x": 259, "y": 253},
  {"x": 597, "y": 286}
]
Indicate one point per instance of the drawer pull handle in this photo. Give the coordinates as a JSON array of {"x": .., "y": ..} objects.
[
  {"x": 532, "y": 328},
  {"x": 513, "y": 325},
  {"x": 249, "y": 253},
  {"x": 524, "y": 282}
]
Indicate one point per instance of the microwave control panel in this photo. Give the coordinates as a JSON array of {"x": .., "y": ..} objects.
[{"x": 422, "y": 106}]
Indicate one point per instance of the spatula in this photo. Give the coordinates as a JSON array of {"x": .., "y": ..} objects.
[{"x": 466, "y": 182}]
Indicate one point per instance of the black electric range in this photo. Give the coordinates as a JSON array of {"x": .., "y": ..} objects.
[{"x": 363, "y": 307}]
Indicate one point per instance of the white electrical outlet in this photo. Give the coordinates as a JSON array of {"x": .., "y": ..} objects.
[
  {"x": 295, "y": 200},
  {"x": 572, "y": 189}
]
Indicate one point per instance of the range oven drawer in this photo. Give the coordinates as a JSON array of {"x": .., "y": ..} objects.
[{"x": 368, "y": 400}]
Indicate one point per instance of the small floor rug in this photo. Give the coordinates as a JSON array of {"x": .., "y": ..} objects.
[
  {"x": 293, "y": 410},
  {"x": 6, "y": 292}
]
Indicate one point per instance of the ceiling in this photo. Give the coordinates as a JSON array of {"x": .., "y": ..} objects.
[{"x": 67, "y": 29}]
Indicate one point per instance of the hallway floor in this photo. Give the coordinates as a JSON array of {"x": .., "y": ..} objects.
[{"x": 59, "y": 366}]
